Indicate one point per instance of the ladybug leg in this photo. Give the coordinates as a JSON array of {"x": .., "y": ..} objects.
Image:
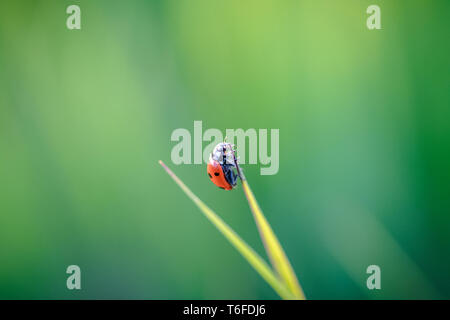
[
  {"x": 232, "y": 147},
  {"x": 233, "y": 152}
]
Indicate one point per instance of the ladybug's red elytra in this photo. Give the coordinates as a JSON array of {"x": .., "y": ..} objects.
[{"x": 221, "y": 166}]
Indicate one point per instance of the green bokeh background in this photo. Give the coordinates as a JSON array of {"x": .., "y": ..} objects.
[{"x": 364, "y": 146}]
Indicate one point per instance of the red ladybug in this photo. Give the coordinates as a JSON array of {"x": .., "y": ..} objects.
[{"x": 221, "y": 166}]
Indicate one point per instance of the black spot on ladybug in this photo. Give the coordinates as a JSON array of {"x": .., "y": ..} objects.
[
  {"x": 216, "y": 174},
  {"x": 209, "y": 174}
]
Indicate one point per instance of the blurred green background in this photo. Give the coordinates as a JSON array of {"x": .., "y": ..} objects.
[{"x": 364, "y": 146}]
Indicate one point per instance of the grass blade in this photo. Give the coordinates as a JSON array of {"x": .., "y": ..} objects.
[
  {"x": 244, "y": 249},
  {"x": 274, "y": 250}
]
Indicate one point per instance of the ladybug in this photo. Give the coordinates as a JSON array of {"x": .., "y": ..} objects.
[{"x": 221, "y": 166}]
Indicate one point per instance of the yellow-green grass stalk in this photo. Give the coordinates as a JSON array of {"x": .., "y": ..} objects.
[
  {"x": 244, "y": 249},
  {"x": 276, "y": 254}
]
